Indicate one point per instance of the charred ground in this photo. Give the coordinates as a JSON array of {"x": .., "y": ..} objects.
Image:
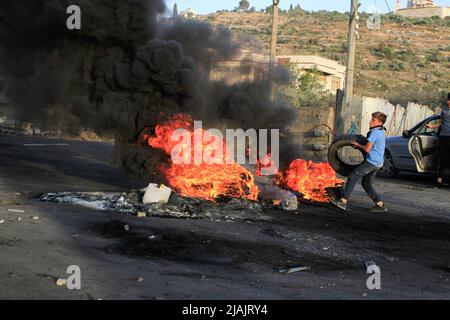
[{"x": 182, "y": 258}]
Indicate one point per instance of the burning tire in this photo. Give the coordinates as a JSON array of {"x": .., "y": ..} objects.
[{"x": 342, "y": 167}]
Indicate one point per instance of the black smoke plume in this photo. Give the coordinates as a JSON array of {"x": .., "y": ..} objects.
[{"x": 126, "y": 69}]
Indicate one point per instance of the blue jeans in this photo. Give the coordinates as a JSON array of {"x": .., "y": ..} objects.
[{"x": 367, "y": 172}]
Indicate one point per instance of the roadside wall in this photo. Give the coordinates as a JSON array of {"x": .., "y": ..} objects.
[
  {"x": 314, "y": 132},
  {"x": 424, "y": 12},
  {"x": 399, "y": 118}
]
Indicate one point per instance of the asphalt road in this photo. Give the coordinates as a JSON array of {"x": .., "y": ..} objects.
[{"x": 160, "y": 258}]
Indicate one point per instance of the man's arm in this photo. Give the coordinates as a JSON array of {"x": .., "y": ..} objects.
[{"x": 435, "y": 126}]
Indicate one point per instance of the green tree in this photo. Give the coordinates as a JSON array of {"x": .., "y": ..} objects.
[
  {"x": 305, "y": 89},
  {"x": 244, "y": 5}
]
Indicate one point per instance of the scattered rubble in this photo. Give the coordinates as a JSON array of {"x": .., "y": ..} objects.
[
  {"x": 61, "y": 282},
  {"x": 8, "y": 203},
  {"x": 130, "y": 203},
  {"x": 16, "y": 210},
  {"x": 156, "y": 194},
  {"x": 281, "y": 198},
  {"x": 10, "y": 126},
  {"x": 390, "y": 259},
  {"x": 141, "y": 214},
  {"x": 295, "y": 269}
]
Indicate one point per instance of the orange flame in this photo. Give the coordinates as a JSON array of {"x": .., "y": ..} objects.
[
  {"x": 195, "y": 178},
  {"x": 310, "y": 179}
]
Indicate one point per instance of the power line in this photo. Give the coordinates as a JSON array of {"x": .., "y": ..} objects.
[{"x": 388, "y": 6}]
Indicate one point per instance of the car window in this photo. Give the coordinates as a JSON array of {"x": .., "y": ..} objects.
[{"x": 424, "y": 131}]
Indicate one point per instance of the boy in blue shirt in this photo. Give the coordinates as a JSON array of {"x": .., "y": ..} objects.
[{"x": 374, "y": 159}]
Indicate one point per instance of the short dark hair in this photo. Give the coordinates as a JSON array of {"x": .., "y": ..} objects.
[
  {"x": 448, "y": 96},
  {"x": 380, "y": 116}
]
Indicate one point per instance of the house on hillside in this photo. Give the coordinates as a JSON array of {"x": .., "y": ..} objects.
[
  {"x": 422, "y": 9},
  {"x": 246, "y": 65},
  {"x": 331, "y": 73},
  {"x": 188, "y": 14}
]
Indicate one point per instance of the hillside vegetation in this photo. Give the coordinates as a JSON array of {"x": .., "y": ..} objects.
[{"x": 406, "y": 60}]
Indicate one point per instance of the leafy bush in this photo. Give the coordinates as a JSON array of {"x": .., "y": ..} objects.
[
  {"x": 384, "y": 51},
  {"x": 305, "y": 90},
  {"x": 397, "y": 66},
  {"x": 379, "y": 65},
  {"x": 407, "y": 55},
  {"x": 430, "y": 21},
  {"x": 435, "y": 56},
  {"x": 324, "y": 15}
]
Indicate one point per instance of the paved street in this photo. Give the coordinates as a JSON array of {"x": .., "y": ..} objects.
[{"x": 161, "y": 258}]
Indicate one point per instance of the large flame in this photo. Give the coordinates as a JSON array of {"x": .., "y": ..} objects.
[
  {"x": 310, "y": 179},
  {"x": 227, "y": 178},
  {"x": 197, "y": 179}
]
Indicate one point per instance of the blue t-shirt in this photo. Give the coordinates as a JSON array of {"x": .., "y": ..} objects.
[{"x": 376, "y": 155}]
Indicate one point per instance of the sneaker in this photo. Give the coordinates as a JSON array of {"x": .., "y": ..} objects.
[
  {"x": 441, "y": 185},
  {"x": 338, "y": 203},
  {"x": 378, "y": 209}
]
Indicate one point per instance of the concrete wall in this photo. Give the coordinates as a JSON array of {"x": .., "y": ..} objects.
[
  {"x": 424, "y": 12},
  {"x": 313, "y": 121}
]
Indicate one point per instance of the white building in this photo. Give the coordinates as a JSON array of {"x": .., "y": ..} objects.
[
  {"x": 188, "y": 14},
  {"x": 422, "y": 9},
  {"x": 332, "y": 74},
  {"x": 420, "y": 3}
]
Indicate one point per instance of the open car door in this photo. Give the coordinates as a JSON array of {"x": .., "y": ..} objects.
[{"x": 424, "y": 145}]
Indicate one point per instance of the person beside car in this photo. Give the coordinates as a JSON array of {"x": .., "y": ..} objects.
[
  {"x": 444, "y": 141},
  {"x": 374, "y": 158}
]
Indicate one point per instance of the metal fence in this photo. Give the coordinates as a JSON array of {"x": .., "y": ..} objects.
[{"x": 399, "y": 118}]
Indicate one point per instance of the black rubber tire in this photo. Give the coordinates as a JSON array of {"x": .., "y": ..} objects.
[
  {"x": 340, "y": 142},
  {"x": 388, "y": 170}
]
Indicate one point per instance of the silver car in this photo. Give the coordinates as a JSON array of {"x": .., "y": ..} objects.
[{"x": 415, "y": 151}]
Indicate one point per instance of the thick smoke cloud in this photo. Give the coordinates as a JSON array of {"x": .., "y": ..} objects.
[
  {"x": 46, "y": 64},
  {"x": 200, "y": 41},
  {"x": 128, "y": 69}
]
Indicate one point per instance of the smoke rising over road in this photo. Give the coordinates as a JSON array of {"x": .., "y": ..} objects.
[{"x": 127, "y": 68}]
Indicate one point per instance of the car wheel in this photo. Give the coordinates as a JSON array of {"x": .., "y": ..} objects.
[
  {"x": 388, "y": 170},
  {"x": 335, "y": 161}
]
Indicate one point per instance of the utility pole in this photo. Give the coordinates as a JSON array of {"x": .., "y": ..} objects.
[
  {"x": 345, "y": 113},
  {"x": 273, "y": 45}
]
